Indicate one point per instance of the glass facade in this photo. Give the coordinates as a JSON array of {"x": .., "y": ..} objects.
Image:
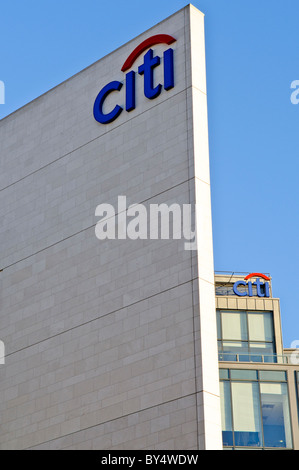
[
  {"x": 255, "y": 409},
  {"x": 246, "y": 336}
]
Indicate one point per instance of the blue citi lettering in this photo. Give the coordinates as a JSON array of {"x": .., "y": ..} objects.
[
  {"x": 262, "y": 289},
  {"x": 150, "y": 90}
]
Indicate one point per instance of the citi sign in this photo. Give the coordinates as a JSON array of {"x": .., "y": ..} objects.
[
  {"x": 151, "y": 91},
  {"x": 262, "y": 288}
]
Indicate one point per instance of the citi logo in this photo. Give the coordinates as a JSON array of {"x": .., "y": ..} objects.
[
  {"x": 151, "y": 91},
  {"x": 262, "y": 289}
]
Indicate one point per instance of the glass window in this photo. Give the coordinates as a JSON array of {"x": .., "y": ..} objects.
[
  {"x": 246, "y": 336},
  {"x": 223, "y": 374},
  {"x": 234, "y": 326},
  {"x": 255, "y": 409},
  {"x": 260, "y": 326},
  {"x": 262, "y": 352},
  {"x": 276, "y": 415},
  {"x": 234, "y": 347},
  {"x": 246, "y": 416},
  {"x": 226, "y": 414},
  {"x": 273, "y": 375},
  {"x": 245, "y": 374}
]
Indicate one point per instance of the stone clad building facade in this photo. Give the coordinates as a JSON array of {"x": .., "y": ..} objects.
[{"x": 109, "y": 344}]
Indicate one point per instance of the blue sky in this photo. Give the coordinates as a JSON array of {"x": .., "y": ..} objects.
[{"x": 252, "y": 52}]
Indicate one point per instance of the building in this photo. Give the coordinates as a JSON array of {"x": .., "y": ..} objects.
[
  {"x": 258, "y": 377},
  {"x": 112, "y": 343}
]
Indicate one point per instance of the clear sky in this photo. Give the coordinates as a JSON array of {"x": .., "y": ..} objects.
[{"x": 252, "y": 52}]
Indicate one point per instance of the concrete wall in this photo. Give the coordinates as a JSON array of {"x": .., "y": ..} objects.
[{"x": 109, "y": 344}]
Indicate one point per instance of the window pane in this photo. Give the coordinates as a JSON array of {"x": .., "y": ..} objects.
[
  {"x": 273, "y": 375},
  {"x": 276, "y": 415},
  {"x": 223, "y": 374},
  {"x": 226, "y": 414},
  {"x": 234, "y": 326},
  {"x": 232, "y": 348},
  {"x": 262, "y": 352},
  {"x": 246, "y": 414},
  {"x": 245, "y": 374},
  {"x": 235, "y": 346},
  {"x": 260, "y": 326}
]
